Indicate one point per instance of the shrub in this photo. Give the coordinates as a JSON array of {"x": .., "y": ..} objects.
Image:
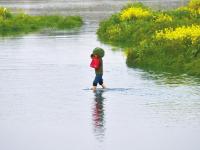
[
  {"x": 5, "y": 13},
  {"x": 194, "y": 4},
  {"x": 157, "y": 40},
  {"x": 11, "y": 24}
]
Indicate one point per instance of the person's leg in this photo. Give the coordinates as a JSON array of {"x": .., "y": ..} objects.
[
  {"x": 94, "y": 88},
  {"x": 96, "y": 80},
  {"x": 101, "y": 81},
  {"x": 103, "y": 86}
]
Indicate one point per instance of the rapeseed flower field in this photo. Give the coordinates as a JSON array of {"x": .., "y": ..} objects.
[
  {"x": 163, "y": 18},
  {"x": 157, "y": 40},
  {"x": 134, "y": 12},
  {"x": 180, "y": 33}
]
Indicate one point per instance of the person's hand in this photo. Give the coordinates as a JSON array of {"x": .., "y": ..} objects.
[{"x": 92, "y": 55}]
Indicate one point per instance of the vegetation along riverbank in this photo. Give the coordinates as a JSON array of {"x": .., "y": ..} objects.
[
  {"x": 12, "y": 24},
  {"x": 162, "y": 40}
]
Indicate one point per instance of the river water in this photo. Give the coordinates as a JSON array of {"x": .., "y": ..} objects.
[{"x": 46, "y": 104}]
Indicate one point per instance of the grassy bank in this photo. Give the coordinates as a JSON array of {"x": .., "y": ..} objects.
[
  {"x": 157, "y": 40},
  {"x": 12, "y": 24}
]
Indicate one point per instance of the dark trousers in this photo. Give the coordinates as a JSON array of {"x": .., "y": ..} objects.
[{"x": 98, "y": 79}]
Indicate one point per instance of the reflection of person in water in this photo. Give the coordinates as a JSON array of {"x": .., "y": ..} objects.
[{"x": 98, "y": 115}]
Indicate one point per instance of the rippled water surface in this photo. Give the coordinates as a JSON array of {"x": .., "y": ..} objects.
[{"x": 46, "y": 104}]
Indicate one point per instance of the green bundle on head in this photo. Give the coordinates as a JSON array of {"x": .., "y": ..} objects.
[{"x": 98, "y": 51}]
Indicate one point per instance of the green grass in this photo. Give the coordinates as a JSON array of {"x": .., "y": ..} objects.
[
  {"x": 12, "y": 24},
  {"x": 137, "y": 37}
]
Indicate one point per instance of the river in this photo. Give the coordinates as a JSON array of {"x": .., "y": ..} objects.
[{"x": 46, "y": 104}]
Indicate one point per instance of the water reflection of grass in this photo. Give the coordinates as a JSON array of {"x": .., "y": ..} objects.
[
  {"x": 171, "y": 79},
  {"x": 12, "y": 24},
  {"x": 165, "y": 41}
]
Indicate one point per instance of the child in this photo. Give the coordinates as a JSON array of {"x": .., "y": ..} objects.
[{"x": 98, "y": 54}]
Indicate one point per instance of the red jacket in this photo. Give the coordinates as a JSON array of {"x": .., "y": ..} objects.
[{"x": 95, "y": 63}]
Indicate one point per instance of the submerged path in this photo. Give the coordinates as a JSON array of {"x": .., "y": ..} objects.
[{"x": 45, "y": 104}]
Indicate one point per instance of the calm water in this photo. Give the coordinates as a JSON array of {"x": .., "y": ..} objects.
[{"x": 45, "y": 103}]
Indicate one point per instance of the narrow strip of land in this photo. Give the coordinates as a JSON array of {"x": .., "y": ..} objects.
[{"x": 14, "y": 24}]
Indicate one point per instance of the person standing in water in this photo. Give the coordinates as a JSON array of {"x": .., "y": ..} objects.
[{"x": 97, "y": 64}]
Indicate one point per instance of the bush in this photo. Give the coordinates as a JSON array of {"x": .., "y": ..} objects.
[
  {"x": 194, "y": 4},
  {"x": 156, "y": 40},
  {"x": 11, "y": 24},
  {"x": 5, "y": 13}
]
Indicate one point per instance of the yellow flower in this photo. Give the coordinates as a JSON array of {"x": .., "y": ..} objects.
[
  {"x": 164, "y": 18},
  {"x": 3, "y": 11},
  {"x": 190, "y": 10},
  {"x": 134, "y": 12},
  {"x": 180, "y": 33},
  {"x": 194, "y": 4}
]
